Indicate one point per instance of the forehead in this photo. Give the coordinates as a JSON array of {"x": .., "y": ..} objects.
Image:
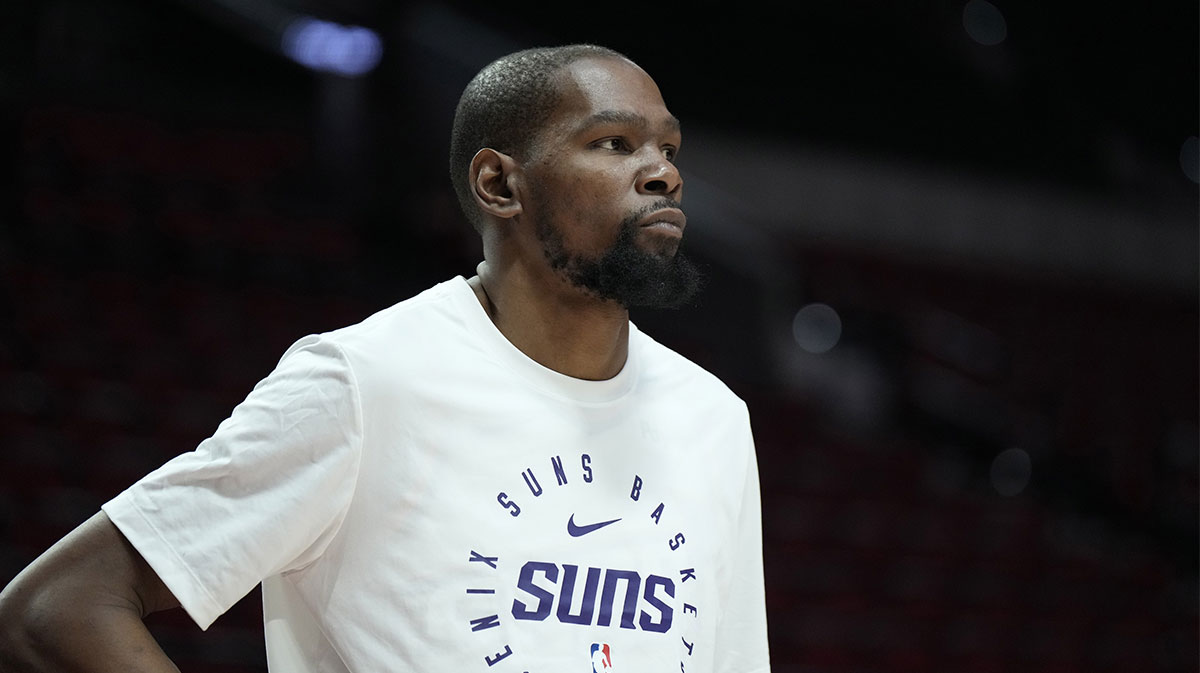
[{"x": 609, "y": 86}]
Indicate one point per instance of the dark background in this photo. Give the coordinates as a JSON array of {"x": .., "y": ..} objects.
[{"x": 994, "y": 469}]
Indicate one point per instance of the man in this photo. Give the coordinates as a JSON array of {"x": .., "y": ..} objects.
[{"x": 499, "y": 474}]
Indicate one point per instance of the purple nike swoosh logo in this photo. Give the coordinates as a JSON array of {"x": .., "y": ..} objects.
[{"x": 576, "y": 531}]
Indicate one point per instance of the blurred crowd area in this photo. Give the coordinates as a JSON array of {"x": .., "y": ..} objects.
[{"x": 963, "y": 469}]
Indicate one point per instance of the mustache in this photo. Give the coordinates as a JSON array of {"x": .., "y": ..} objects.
[{"x": 636, "y": 216}]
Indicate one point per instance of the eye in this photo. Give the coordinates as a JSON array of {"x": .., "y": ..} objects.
[
  {"x": 612, "y": 144},
  {"x": 669, "y": 152}
]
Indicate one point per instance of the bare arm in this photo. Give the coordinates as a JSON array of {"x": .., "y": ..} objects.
[{"x": 79, "y": 607}]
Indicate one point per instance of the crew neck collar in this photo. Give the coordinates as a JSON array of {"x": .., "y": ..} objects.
[{"x": 540, "y": 376}]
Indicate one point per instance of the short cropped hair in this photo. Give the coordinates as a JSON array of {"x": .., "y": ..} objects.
[{"x": 505, "y": 106}]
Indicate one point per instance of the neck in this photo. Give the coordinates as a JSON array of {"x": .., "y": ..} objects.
[{"x": 555, "y": 324}]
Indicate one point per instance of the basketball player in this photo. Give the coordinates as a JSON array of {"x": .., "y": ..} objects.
[{"x": 501, "y": 473}]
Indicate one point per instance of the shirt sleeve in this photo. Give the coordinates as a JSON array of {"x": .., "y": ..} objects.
[
  {"x": 742, "y": 630},
  {"x": 263, "y": 495}
]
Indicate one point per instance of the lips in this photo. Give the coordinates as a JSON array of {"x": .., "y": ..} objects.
[{"x": 670, "y": 219}]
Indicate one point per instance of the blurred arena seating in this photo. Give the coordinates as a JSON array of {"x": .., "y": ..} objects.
[
  {"x": 165, "y": 266},
  {"x": 974, "y": 468}
]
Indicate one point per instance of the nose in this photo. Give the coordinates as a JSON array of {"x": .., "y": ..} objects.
[{"x": 660, "y": 178}]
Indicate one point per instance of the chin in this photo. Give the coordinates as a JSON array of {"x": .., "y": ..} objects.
[{"x": 661, "y": 251}]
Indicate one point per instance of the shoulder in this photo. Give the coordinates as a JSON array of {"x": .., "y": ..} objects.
[
  {"x": 415, "y": 330},
  {"x": 399, "y": 327},
  {"x": 668, "y": 372},
  {"x": 426, "y": 311}
]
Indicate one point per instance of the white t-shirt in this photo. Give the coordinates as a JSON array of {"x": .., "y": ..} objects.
[{"x": 416, "y": 494}]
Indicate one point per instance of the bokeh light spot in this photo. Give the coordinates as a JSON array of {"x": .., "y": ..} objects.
[
  {"x": 817, "y": 328},
  {"x": 1011, "y": 470},
  {"x": 984, "y": 23},
  {"x": 330, "y": 47},
  {"x": 1189, "y": 158}
]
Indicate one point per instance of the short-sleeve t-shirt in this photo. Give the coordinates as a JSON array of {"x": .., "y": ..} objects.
[{"x": 416, "y": 494}]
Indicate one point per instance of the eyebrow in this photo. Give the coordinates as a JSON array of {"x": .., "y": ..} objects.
[{"x": 625, "y": 117}]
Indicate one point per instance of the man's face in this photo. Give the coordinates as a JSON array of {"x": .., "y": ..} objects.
[{"x": 604, "y": 194}]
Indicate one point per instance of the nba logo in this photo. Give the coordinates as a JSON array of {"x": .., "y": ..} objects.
[{"x": 601, "y": 658}]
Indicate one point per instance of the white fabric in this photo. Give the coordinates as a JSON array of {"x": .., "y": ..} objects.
[{"x": 404, "y": 487}]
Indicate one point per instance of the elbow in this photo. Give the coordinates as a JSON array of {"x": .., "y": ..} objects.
[
  {"x": 28, "y": 618},
  {"x": 14, "y": 631}
]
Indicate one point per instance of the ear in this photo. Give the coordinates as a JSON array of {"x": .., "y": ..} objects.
[{"x": 495, "y": 183}]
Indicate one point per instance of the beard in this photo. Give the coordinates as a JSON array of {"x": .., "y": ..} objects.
[{"x": 626, "y": 273}]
